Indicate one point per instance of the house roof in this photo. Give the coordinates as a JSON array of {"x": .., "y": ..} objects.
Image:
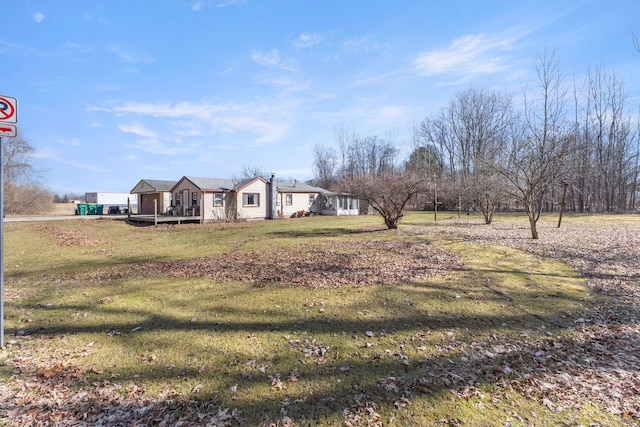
[
  {"x": 212, "y": 184},
  {"x": 153, "y": 185},
  {"x": 218, "y": 184},
  {"x": 298, "y": 187}
]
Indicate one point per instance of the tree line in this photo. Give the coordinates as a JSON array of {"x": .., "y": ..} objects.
[
  {"x": 570, "y": 142},
  {"x": 22, "y": 191}
]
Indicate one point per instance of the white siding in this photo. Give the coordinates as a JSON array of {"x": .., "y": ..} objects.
[
  {"x": 300, "y": 202},
  {"x": 258, "y": 187},
  {"x": 226, "y": 212}
]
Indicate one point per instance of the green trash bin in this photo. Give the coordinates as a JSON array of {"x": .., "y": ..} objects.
[
  {"x": 82, "y": 208},
  {"x": 99, "y": 209},
  {"x": 91, "y": 208}
]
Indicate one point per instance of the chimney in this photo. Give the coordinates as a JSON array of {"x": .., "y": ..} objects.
[{"x": 272, "y": 194}]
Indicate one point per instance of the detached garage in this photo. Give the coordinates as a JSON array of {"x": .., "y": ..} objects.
[{"x": 152, "y": 193}]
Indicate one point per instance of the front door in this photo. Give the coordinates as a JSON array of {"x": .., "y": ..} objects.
[{"x": 185, "y": 202}]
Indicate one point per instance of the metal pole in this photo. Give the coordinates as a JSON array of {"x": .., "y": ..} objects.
[
  {"x": 435, "y": 199},
  {"x": 1, "y": 246}
]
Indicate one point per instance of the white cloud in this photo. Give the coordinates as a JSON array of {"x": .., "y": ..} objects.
[
  {"x": 467, "y": 55},
  {"x": 286, "y": 83},
  {"x": 267, "y": 121},
  {"x": 363, "y": 44},
  {"x": 38, "y": 17},
  {"x": 197, "y": 6},
  {"x": 374, "y": 79},
  {"x": 128, "y": 56},
  {"x": 271, "y": 59},
  {"x": 8, "y": 48},
  {"x": 228, "y": 3},
  {"x": 76, "y": 47},
  {"x": 47, "y": 153},
  {"x": 152, "y": 142},
  {"x": 138, "y": 129},
  {"x": 157, "y": 146},
  {"x": 268, "y": 59},
  {"x": 306, "y": 40}
]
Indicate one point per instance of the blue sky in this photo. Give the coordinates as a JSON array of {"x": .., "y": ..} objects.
[{"x": 111, "y": 92}]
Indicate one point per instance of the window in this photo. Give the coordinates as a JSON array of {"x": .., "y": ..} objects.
[
  {"x": 178, "y": 199},
  {"x": 312, "y": 199},
  {"x": 288, "y": 199},
  {"x": 217, "y": 199},
  {"x": 194, "y": 199},
  {"x": 250, "y": 199}
]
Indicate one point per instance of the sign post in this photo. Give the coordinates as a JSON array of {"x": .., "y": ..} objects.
[
  {"x": 8, "y": 109},
  {"x": 2, "y": 245},
  {"x": 8, "y": 114}
]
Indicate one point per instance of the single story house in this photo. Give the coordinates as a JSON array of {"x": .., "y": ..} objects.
[
  {"x": 154, "y": 196},
  {"x": 214, "y": 199}
]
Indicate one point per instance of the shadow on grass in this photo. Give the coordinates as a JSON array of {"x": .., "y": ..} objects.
[
  {"x": 352, "y": 377},
  {"x": 325, "y": 232},
  {"x": 404, "y": 323},
  {"x": 343, "y": 382}
]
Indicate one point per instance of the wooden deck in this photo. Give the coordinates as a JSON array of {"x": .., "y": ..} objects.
[{"x": 163, "y": 219}]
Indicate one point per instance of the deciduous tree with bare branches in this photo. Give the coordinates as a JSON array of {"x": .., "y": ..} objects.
[
  {"x": 22, "y": 192},
  {"x": 387, "y": 193},
  {"x": 535, "y": 155}
]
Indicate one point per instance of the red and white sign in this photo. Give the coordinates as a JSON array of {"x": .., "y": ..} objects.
[
  {"x": 8, "y": 109},
  {"x": 8, "y": 130}
]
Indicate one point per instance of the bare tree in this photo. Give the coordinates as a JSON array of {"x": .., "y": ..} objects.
[
  {"x": 28, "y": 199},
  {"x": 387, "y": 193},
  {"x": 248, "y": 172},
  {"x": 608, "y": 136},
  {"x": 343, "y": 136},
  {"x": 538, "y": 148},
  {"x": 368, "y": 156},
  {"x": 17, "y": 161},
  {"x": 470, "y": 129},
  {"x": 22, "y": 192},
  {"x": 325, "y": 164}
]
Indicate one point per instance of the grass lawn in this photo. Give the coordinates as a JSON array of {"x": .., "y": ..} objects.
[{"x": 209, "y": 323}]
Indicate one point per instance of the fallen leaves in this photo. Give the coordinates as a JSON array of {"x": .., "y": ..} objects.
[
  {"x": 599, "y": 359},
  {"x": 65, "y": 237},
  {"x": 311, "y": 265},
  {"x": 311, "y": 348},
  {"x": 594, "y": 359}
]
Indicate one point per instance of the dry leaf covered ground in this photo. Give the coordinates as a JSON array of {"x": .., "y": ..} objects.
[
  {"x": 597, "y": 361},
  {"x": 601, "y": 361}
]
